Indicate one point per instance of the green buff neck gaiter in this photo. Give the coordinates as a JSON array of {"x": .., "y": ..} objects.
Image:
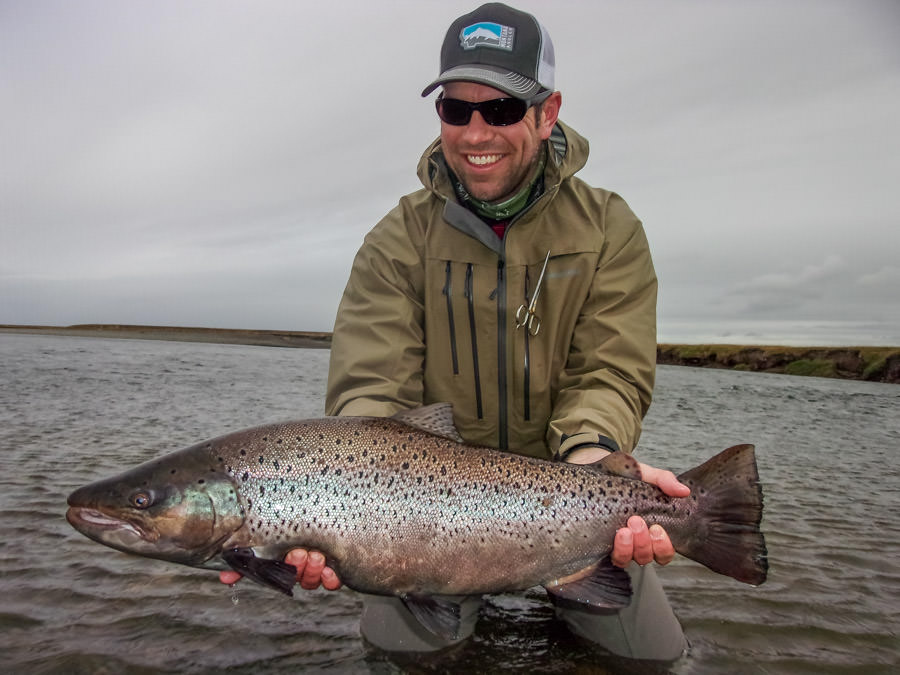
[{"x": 509, "y": 207}]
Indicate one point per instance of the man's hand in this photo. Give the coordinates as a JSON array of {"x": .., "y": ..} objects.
[
  {"x": 638, "y": 542},
  {"x": 311, "y": 571}
]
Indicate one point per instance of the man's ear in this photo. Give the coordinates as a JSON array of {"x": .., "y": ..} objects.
[{"x": 549, "y": 114}]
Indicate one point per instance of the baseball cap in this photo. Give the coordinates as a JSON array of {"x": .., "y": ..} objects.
[{"x": 501, "y": 47}]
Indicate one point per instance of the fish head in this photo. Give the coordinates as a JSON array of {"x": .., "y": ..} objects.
[{"x": 180, "y": 508}]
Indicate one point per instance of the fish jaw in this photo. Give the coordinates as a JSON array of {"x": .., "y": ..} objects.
[{"x": 111, "y": 531}]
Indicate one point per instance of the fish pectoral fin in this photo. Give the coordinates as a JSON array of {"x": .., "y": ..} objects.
[
  {"x": 603, "y": 586},
  {"x": 439, "y": 615},
  {"x": 275, "y": 573}
]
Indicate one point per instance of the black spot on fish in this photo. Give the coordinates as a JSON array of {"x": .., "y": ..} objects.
[
  {"x": 245, "y": 476},
  {"x": 173, "y": 471},
  {"x": 405, "y": 465},
  {"x": 201, "y": 481},
  {"x": 261, "y": 459}
]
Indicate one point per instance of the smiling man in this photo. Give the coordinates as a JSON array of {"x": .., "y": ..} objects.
[{"x": 525, "y": 297}]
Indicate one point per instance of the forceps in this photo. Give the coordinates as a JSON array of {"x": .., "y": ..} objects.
[{"x": 525, "y": 316}]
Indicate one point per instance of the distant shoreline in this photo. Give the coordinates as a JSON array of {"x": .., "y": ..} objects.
[
  {"x": 227, "y": 336},
  {"x": 874, "y": 364}
]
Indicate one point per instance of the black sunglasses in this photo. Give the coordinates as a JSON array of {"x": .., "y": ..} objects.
[{"x": 498, "y": 112}]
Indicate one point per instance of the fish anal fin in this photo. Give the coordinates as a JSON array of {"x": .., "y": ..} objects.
[
  {"x": 439, "y": 615},
  {"x": 274, "y": 573},
  {"x": 620, "y": 464},
  {"x": 603, "y": 586},
  {"x": 436, "y": 419}
]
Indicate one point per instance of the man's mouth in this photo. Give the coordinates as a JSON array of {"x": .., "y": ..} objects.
[{"x": 483, "y": 160}]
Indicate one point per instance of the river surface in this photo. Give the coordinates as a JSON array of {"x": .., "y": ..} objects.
[{"x": 73, "y": 410}]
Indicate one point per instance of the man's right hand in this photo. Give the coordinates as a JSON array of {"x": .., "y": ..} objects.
[{"x": 312, "y": 571}]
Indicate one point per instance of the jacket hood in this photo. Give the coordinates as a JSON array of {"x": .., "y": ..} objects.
[{"x": 568, "y": 151}]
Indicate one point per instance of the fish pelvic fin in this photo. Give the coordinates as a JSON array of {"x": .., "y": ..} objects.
[
  {"x": 436, "y": 419},
  {"x": 441, "y": 616},
  {"x": 274, "y": 573},
  {"x": 602, "y": 586},
  {"x": 727, "y": 537}
]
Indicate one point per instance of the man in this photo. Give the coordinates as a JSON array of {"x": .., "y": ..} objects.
[{"x": 512, "y": 289}]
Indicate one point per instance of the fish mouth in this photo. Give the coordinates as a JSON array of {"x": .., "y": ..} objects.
[{"x": 86, "y": 520}]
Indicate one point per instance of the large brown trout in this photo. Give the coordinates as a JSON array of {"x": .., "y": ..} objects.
[{"x": 400, "y": 506}]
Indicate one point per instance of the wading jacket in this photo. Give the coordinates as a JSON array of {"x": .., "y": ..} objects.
[{"x": 429, "y": 314}]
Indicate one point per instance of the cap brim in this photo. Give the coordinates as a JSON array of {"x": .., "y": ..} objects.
[{"x": 509, "y": 83}]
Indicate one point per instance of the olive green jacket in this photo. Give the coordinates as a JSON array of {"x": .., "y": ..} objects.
[{"x": 429, "y": 314}]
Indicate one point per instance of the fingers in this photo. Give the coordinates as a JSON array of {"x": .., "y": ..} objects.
[
  {"x": 663, "y": 551},
  {"x": 664, "y": 480},
  {"x": 642, "y": 544},
  {"x": 229, "y": 577},
  {"x": 623, "y": 548},
  {"x": 311, "y": 570}
]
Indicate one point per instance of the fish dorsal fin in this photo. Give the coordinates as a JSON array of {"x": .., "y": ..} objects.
[
  {"x": 620, "y": 464},
  {"x": 436, "y": 419},
  {"x": 602, "y": 585},
  {"x": 439, "y": 615}
]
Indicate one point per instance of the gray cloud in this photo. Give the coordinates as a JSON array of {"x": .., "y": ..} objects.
[{"x": 218, "y": 163}]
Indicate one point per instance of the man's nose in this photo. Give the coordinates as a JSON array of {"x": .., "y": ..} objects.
[{"x": 477, "y": 130}]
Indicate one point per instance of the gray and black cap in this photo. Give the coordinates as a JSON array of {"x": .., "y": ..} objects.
[{"x": 501, "y": 47}]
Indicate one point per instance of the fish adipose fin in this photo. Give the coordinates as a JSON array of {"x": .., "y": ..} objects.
[
  {"x": 729, "y": 504},
  {"x": 436, "y": 419},
  {"x": 439, "y": 615},
  {"x": 275, "y": 573},
  {"x": 603, "y": 586},
  {"x": 620, "y": 464}
]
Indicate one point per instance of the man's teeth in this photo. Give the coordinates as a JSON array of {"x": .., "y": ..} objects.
[{"x": 482, "y": 160}]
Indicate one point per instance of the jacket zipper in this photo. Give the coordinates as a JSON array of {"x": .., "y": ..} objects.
[
  {"x": 501, "y": 356},
  {"x": 448, "y": 293},
  {"x": 527, "y": 384},
  {"x": 470, "y": 297}
]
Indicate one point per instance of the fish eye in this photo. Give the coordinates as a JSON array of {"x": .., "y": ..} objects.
[{"x": 141, "y": 500}]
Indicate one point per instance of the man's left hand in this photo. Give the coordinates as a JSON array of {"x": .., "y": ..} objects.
[{"x": 636, "y": 541}]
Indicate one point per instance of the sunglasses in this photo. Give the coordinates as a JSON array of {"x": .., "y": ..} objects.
[{"x": 498, "y": 112}]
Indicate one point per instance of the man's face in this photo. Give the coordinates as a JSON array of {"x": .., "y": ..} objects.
[{"x": 493, "y": 163}]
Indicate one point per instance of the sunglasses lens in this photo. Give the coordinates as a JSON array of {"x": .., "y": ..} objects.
[
  {"x": 502, "y": 112},
  {"x": 453, "y": 111},
  {"x": 499, "y": 112}
]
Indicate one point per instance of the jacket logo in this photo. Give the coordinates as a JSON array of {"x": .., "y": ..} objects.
[{"x": 487, "y": 34}]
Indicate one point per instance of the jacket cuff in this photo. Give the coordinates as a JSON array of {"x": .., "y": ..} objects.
[{"x": 585, "y": 440}]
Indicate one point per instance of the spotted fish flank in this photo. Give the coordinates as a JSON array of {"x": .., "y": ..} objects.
[{"x": 391, "y": 500}]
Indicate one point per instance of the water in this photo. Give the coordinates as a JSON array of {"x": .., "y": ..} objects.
[{"x": 73, "y": 410}]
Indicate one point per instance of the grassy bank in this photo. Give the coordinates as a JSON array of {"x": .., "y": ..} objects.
[{"x": 876, "y": 364}]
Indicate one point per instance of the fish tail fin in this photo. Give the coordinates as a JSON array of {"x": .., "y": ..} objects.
[{"x": 729, "y": 498}]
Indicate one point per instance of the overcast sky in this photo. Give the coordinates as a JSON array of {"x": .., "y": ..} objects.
[{"x": 217, "y": 163}]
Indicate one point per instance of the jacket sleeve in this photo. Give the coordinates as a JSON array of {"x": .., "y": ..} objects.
[
  {"x": 378, "y": 350},
  {"x": 607, "y": 384}
]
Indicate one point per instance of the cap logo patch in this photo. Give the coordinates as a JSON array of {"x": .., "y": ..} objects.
[{"x": 487, "y": 34}]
